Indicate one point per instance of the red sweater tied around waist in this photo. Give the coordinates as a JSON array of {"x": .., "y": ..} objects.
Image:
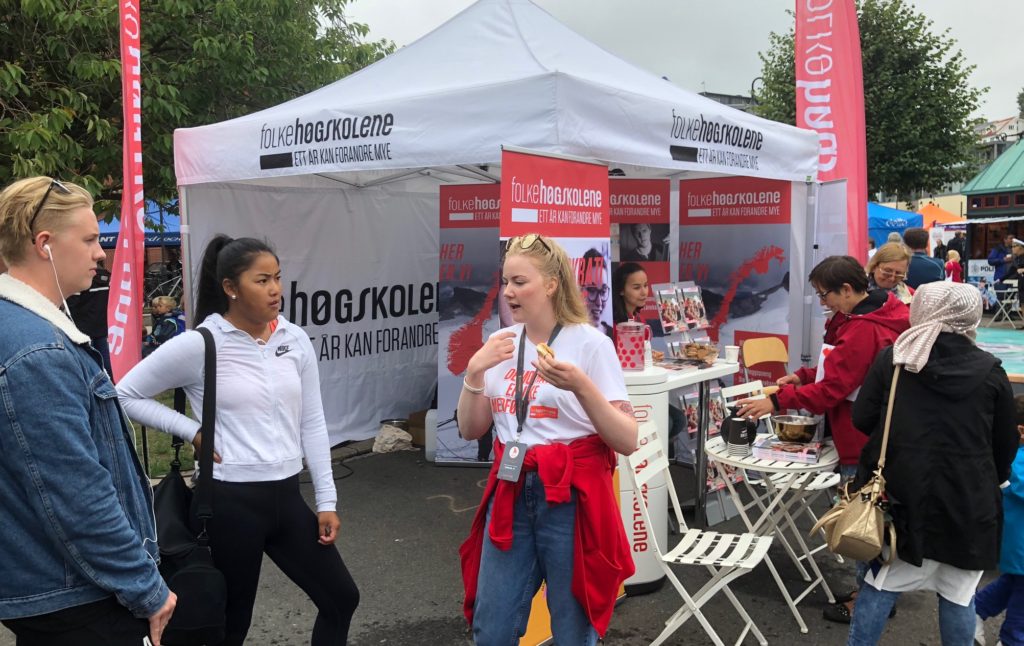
[{"x": 601, "y": 556}]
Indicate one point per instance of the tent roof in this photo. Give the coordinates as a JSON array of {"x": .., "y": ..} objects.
[
  {"x": 885, "y": 217},
  {"x": 500, "y": 72},
  {"x": 1006, "y": 173},
  {"x": 937, "y": 215}
]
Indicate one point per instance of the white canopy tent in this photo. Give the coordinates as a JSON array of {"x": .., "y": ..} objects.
[{"x": 344, "y": 179}]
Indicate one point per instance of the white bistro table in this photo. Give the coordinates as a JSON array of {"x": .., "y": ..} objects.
[
  {"x": 786, "y": 485},
  {"x": 648, "y": 393}
]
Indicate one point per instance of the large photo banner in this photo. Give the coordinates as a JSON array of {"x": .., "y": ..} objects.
[
  {"x": 470, "y": 282},
  {"x": 641, "y": 230},
  {"x": 370, "y": 311},
  {"x": 734, "y": 243}
]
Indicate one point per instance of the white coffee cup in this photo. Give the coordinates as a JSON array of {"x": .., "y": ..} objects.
[{"x": 732, "y": 353}]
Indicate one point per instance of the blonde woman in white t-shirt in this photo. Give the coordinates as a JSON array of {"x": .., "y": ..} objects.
[{"x": 549, "y": 511}]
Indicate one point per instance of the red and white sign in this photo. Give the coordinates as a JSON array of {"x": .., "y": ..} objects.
[
  {"x": 470, "y": 206},
  {"x": 830, "y": 101},
  {"x": 560, "y": 198},
  {"x": 639, "y": 200},
  {"x": 124, "y": 309},
  {"x": 734, "y": 200}
]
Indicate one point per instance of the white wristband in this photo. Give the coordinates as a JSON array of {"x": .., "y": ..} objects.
[{"x": 475, "y": 391}]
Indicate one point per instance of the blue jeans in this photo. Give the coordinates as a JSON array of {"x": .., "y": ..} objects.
[
  {"x": 956, "y": 623},
  {"x": 1005, "y": 593},
  {"x": 543, "y": 538}
]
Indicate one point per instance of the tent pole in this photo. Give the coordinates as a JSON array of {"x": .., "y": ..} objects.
[{"x": 481, "y": 173}]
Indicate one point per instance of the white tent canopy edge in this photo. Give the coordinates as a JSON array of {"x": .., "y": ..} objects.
[{"x": 371, "y": 150}]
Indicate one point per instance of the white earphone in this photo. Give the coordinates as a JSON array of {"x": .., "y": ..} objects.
[{"x": 49, "y": 254}]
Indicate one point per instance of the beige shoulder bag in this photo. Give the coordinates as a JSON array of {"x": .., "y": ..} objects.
[{"x": 856, "y": 526}]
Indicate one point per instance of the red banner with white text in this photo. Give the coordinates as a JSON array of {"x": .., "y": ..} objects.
[
  {"x": 830, "y": 101},
  {"x": 556, "y": 197},
  {"x": 124, "y": 309}
]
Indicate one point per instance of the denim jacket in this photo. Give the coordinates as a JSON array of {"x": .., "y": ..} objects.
[{"x": 76, "y": 506}]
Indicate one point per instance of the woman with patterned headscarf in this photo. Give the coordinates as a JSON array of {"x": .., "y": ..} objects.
[{"x": 952, "y": 440}]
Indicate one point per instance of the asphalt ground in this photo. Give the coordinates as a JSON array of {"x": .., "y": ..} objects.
[{"x": 403, "y": 519}]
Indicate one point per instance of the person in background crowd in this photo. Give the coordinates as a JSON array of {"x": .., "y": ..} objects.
[
  {"x": 923, "y": 269},
  {"x": 89, "y": 312},
  {"x": 871, "y": 248},
  {"x": 989, "y": 299},
  {"x": 269, "y": 417},
  {"x": 952, "y": 440},
  {"x": 1007, "y": 592},
  {"x": 959, "y": 245},
  {"x": 1002, "y": 259},
  {"x": 629, "y": 292},
  {"x": 887, "y": 270},
  {"x": 863, "y": 323},
  {"x": 954, "y": 271},
  {"x": 556, "y": 518},
  {"x": 894, "y": 237},
  {"x": 940, "y": 250},
  {"x": 1017, "y": 251},
  {"x": 78, "y": 540},
  {"x": 168, "y": 322}
]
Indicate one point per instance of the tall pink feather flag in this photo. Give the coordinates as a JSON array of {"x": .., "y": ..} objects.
[
  {"x": 830, "y": 101},
  {"x": 124, "y": 309}
]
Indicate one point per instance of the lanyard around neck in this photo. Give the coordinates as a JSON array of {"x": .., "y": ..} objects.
[{"x": 523, "y": 399}]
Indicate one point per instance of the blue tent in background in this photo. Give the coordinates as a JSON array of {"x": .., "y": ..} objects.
[
  {"x": 170, "y": 236},
  {"x": 883, "y": 220}
]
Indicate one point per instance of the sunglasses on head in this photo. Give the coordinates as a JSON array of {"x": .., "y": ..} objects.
[
  {"x": 55, "y": 185},
  {"x": 527, "y": 242}
]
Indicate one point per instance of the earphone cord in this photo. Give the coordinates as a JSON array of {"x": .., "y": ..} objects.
[{"x": 67, "y": 310}]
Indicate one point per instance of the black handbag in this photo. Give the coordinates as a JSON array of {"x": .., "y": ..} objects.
[{"x": 186, "y": 562}]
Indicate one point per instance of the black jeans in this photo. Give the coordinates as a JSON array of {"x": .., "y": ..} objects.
[
  {"x": 253, "y": 518},
  {"x": 101, "y": 623}
]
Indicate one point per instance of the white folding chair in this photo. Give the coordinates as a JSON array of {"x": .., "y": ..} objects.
[
  {"x": 726, "y": 556},
  {"x": 1008, "y": 305}
]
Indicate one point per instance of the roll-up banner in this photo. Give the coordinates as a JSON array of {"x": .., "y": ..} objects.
[
  {"x": 640, "y": 230},
  {"x": 470, "y": 281},
  {"x": 743, "y": 271}
]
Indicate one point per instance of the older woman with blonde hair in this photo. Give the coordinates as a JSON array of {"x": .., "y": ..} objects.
[
  {"x": 553, "y": 388},
  {"x": 887, "y": 270}
]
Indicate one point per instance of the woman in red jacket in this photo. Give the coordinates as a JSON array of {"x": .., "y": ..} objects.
[
  {"x": 559, "y": 414},
  {"x": 862, "y": 324}
]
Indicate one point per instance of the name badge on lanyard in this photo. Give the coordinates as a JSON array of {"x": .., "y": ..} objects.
[{"x": 511, "y": 465}]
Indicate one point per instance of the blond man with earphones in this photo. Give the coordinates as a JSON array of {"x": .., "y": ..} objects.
[{"x": 79, "y": 537}]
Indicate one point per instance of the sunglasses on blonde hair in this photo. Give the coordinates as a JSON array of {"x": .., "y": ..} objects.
[
  {"x": 526, "y": 242},
  {"x": 54, "y": 185}
]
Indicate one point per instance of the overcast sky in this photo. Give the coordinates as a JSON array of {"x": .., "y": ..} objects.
[{"x": 713, "y": 44}]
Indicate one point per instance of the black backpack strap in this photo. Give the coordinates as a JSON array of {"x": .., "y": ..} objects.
[{"x": 204, "y": 494}]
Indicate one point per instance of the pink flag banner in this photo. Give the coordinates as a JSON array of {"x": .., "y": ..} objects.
[
  {"x": 830, "y": 101},
  {"x": 124, "y": 309}
]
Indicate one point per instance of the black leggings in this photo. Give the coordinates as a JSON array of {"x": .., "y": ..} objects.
[{"x": 253, "y": 518}]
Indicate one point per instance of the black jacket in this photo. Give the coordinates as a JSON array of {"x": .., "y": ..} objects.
[
  {"x": 89, "y": 308},
  {"x": 952, "y": 440}
]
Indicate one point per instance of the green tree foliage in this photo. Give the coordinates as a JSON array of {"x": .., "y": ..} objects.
[
  {"x": 918, "y": 99},
  {"x": 1020, "y": 103},
  {"x": 203, "y": 61}
]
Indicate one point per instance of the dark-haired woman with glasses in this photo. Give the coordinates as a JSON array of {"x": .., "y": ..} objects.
[
  {"x": 560, "y": 415},
  {"x": 861, "y": 324},
  {"x": 887, "y": 270},
  {"x": 270, "y": 418}
]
